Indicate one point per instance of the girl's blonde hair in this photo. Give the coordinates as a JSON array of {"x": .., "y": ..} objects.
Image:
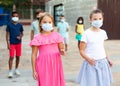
[
  {"x": 95, "y": 12},
  {"x": 41, "y": 18}
]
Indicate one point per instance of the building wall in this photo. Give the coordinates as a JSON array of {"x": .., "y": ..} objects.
[
  {"x": 111, "y": 12},
  {"x": 73, "y": 9}
]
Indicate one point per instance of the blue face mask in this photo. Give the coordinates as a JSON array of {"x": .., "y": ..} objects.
[
  {"x": 97, "y": 23},
  {"x": 47, "y": 27}
]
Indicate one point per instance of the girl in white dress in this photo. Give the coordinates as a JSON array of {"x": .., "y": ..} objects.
[{"x": 95, "y": 70}]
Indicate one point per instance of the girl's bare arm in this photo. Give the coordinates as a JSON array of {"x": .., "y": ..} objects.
[
  {"x": 33, "y": 61},
  {"x": 31, "y": 34},
  {"x": 82, "y": 47},
  {"x": 76, "y": 28},
  {"x": 61, "y": 48}
]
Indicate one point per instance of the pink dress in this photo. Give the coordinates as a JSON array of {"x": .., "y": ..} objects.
[{"x": 49, "y": 63}]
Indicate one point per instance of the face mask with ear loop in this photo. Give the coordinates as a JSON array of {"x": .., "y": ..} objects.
[
  {"x": 97, "y": 23},
  {"x": 62, "y": 20},
  {"x": 47, "y": 27},
  {"x": 15, "y": 19},
  {"x": 80, "y": 21}
]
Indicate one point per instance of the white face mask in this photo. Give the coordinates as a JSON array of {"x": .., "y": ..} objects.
[
  {"x": 15, "y": 19},
  {"x": 47, "y": 27},
  {"x": 97, "y": 23},
  {"x": 62, "y": 20},
  {"x": 80, "y": 21}
]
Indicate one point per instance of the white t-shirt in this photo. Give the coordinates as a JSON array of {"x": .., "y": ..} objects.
[
  {"x": 35, "y": 27},
  {"x": 95, "y": 43},
  {"x": 63, "y": 26}
]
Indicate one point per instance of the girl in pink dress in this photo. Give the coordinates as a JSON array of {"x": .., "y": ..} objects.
[{"x": 47, "y": 66}]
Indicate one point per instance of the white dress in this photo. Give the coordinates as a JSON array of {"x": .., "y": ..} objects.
[{"x": 99, "y": 74}]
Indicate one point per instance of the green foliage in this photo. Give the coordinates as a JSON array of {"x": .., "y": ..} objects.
[
  {"x": 7, "y": 4},
  {"x": 23, "y": 3}
]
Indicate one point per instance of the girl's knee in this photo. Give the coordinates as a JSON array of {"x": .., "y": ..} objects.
[
  {"x": 11, "y": 58},
  {"x": 17, "y": 57}
]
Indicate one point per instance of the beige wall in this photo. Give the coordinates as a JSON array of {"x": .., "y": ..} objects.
[{"x": 73, "y": 9}]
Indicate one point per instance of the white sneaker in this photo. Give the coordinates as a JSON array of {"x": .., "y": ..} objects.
[
  {"x": 17, "y": 72},
  {"x": 10, "y": 74}
]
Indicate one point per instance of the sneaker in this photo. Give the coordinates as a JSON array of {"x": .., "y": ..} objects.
[
  {"x": 17, "y": 72},
  {"x": 10, "y": 74}
]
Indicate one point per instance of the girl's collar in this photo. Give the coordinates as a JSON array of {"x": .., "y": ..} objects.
[{"x": 45, "y": 33}]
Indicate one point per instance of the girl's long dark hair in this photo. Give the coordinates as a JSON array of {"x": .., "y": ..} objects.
[{"x": 80, "y": 18}]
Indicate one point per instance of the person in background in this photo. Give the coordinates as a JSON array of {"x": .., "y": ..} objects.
[
  {"x": 14, "y": 34},
  {"x": 47, "y": 65},
  {"x": 79, "y": 29},
  {"x": 95, "y": 70},
  {"x": 63, "y": 28},
  {"x": 35, "y": 24}
]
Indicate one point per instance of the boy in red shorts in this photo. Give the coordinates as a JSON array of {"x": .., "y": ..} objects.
[{"x": 14, "y": 33}]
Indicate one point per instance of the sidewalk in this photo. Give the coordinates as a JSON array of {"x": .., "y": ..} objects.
[{"x": 71, "y": 62}]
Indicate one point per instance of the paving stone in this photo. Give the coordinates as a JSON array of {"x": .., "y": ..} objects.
[{"x": 71, "y": 62}]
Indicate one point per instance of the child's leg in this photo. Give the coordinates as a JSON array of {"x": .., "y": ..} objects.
[
  {"x": 78, "y": 44},
  {"x": 66, "y": 40},
  {"x": 17, "y": 62},
  {"x": 10, "y": 62},
  {"x": 16, "y": 65},
  {"x": 11, "y": 52},
  {"x": 18, "y": 54}
]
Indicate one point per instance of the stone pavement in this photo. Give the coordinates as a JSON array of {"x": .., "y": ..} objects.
[{"x": 71, "y": 62}]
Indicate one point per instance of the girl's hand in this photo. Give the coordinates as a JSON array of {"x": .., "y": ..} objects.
[
  {"x": 91, "y": 61},
  {"x": 35, "y": 75},
  {"x": 110, "y": 63},
  {"x": 8, "y": 46},
  {"x": 18, "y": 37},
  {"x": 62, "y": 51},
  {"x": 67, "y": 29}
]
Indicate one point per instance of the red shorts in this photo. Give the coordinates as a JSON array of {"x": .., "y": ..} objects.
[{"x": 15, "y": 49}]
